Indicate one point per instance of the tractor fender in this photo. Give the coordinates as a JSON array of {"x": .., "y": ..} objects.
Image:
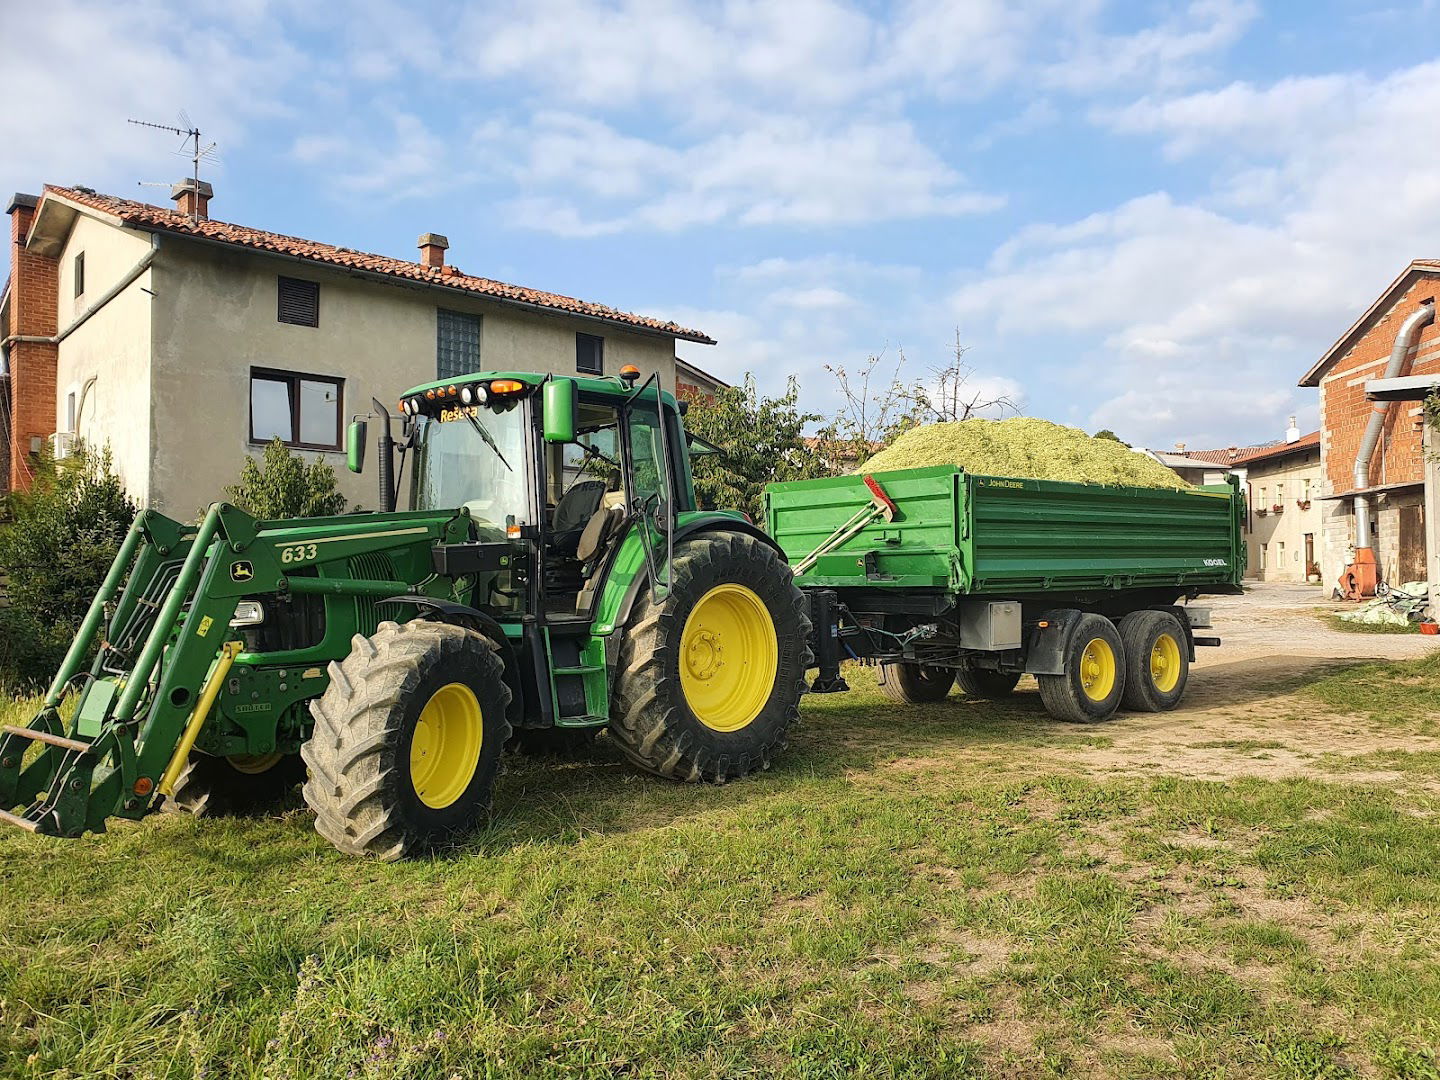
[
  {"x": 449, "y": 611},
  {"x": 1047, "y": 646},
  {"x": 719, "y": 523}
]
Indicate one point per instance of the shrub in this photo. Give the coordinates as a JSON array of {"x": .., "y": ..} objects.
[
  {"x": 284, "y": 485},
  {"x": 62, "y": 536}
]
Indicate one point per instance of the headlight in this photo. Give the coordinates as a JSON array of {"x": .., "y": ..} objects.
[{"x": 248, "y": 613}]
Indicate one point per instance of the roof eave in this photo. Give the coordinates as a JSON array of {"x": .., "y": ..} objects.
[
  {"x": 1381, "y": 304},
  {"x": 401, "y": 281}
]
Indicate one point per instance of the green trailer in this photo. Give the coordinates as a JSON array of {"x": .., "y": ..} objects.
[{"x": 941, "y": 576}]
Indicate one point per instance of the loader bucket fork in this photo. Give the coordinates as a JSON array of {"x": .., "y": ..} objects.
[{"x": 157, "y": 632}]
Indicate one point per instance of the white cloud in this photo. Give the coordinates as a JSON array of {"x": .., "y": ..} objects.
[
  {"x": 77, "y": 72},
  {"x": 1213, "y": 308},
  {"x": 584, "y": 177}
]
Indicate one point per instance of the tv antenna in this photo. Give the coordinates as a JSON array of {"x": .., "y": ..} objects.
[{"x": 193, "y": 147}]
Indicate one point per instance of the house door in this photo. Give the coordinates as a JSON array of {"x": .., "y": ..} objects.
[
  {"x": 1412, "y": 545},
  {"x": 1309, "y": 552}
]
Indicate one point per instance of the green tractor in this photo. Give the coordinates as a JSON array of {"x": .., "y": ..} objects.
[{"x": 553, "y": 576}]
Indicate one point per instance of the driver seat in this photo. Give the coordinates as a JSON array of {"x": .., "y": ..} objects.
[{"x": 572, "y": 513}]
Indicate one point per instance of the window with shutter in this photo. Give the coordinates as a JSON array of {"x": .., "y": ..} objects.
[
  {"x": 589, "y": 354},
  {"x": 457, "y": 344},
  {"x": 299, "y": 302},
  {"x": 80, "y": 274}
]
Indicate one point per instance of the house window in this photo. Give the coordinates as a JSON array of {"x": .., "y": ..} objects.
[
  {"x": 1280, "y": 554},
  {"x": 1264, "y": 551},
  {"x": 70, "y": 411},
  {"x": 589, "y": 354},
  {"x": 299, "y": 302},
  {"x": 301, "y": 410},
  {"x": 1305, "y": 490},
  {"x": 1280, "y": 493},
  {"x": 79, "y": 274},
  {"x": 457, "y": 344},
  {"x": 1263, "y": 504}
]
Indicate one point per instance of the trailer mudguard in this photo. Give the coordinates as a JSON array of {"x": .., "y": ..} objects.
[{"x": 1047, "y": 641}]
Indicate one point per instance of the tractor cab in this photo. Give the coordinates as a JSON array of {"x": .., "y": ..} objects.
[{"x": 554, "y": 473}]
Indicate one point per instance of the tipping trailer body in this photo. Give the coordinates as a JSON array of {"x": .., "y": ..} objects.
[
  {"x": 959, "y": 534},
  {"x": 942, "y": 574}
]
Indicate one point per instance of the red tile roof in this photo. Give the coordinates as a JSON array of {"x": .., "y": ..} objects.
[
  {"x": 1305, "y": 442},
  {"x": 144, "y": 216},
  {"x": 1228, "y": 456}
]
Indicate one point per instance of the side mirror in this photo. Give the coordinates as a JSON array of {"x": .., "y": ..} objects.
[
  {"x": 355, "y": 446},
  {"x": 559, "y": 404}
]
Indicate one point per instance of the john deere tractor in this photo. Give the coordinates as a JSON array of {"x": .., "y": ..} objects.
[{"x": 553, "y": 575}]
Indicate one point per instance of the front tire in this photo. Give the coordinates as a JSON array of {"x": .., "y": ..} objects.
[
  {"x": 232, "y": 786},
  {"x": 916, "y": 684},
  {"x": 1159, "y": 664},
  {"x": 1090, "y": 688},
  {"x": 408, "y": 739},
  {"x": 709, "y": 678}
]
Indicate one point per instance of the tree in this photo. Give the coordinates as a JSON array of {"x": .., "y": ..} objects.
[
  {"x": 63, "y": 535},
  {"x": 283, "y": 485},
  {"x": 875, "y": 408},
  {"x": 949, "y": 395},
  {"x": 763, "y": 442},
  {"x": 1106, "y": 433}
]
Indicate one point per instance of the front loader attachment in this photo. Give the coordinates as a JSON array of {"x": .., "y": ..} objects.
[
  {"x": 159, "y": 631},
  {"x": 162, "y": 634}
]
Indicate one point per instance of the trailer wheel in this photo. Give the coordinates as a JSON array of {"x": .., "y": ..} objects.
[
  {"x": 986, "y": 685},
  {"x": 916, "y": 684},
  {"x": 709, "y": 679},
  {"x": 1159, "y": 664},
  {"x": 408, "y": 739},
  {"x": 1094, "y": 679},
  {"x": 239, "y": 784}
]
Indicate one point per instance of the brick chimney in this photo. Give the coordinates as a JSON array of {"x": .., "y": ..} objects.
[
  {"x": 192, "y": 198},
  {"x": 34, "y": 297},
  {"x": 432, "y": 249}
]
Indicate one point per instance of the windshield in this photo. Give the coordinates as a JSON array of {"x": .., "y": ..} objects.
[{"x": 472, "y": 457}]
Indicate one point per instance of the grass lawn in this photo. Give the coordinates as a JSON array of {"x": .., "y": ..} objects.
[{"x": 912, "y": 891}]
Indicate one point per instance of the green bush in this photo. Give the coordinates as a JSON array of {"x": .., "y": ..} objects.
[
  {"x": 61, "y": 538},
  {"x": 283, "y": 485}
]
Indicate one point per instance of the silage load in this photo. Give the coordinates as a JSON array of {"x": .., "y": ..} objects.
[{"x": 1024, "y": 446}]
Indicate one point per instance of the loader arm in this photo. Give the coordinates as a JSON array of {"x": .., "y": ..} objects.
[{"x": 159, "y": 633}]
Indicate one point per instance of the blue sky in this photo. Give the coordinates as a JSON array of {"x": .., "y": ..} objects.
[{"x": 1151, "y": 217}]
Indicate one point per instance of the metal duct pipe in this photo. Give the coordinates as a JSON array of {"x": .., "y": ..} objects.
[{"x": 1405, "y": 339}]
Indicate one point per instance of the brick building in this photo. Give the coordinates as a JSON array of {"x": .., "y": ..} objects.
[
  {"x": 1395, "y": 479},
  {"x": 184, "y": 343}
]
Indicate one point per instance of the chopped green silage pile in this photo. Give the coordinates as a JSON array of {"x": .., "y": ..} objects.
[{"x": 1024, "y": 446}]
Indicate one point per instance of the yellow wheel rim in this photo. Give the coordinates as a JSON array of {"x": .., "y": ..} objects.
[
  {"x": 728, "y": 657},
  {"x": 1097, "y": 669},
  {"x": 1165, "y": 663},
  {"x": 445, "y": 750},
  {"x": 254, "y": 764}
]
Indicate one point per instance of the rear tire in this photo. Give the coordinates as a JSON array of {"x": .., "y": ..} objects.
[
  {"x": 408, "y": 739},
  {"x": 709, "y": 679},
  {"x": 986, "y": 685},
  {"x": 1094, "y": 679},
  {"x": 1159, "y": 661},
  {"x": 232, "y": 786},
  {"x": 916, "y": 684}
]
